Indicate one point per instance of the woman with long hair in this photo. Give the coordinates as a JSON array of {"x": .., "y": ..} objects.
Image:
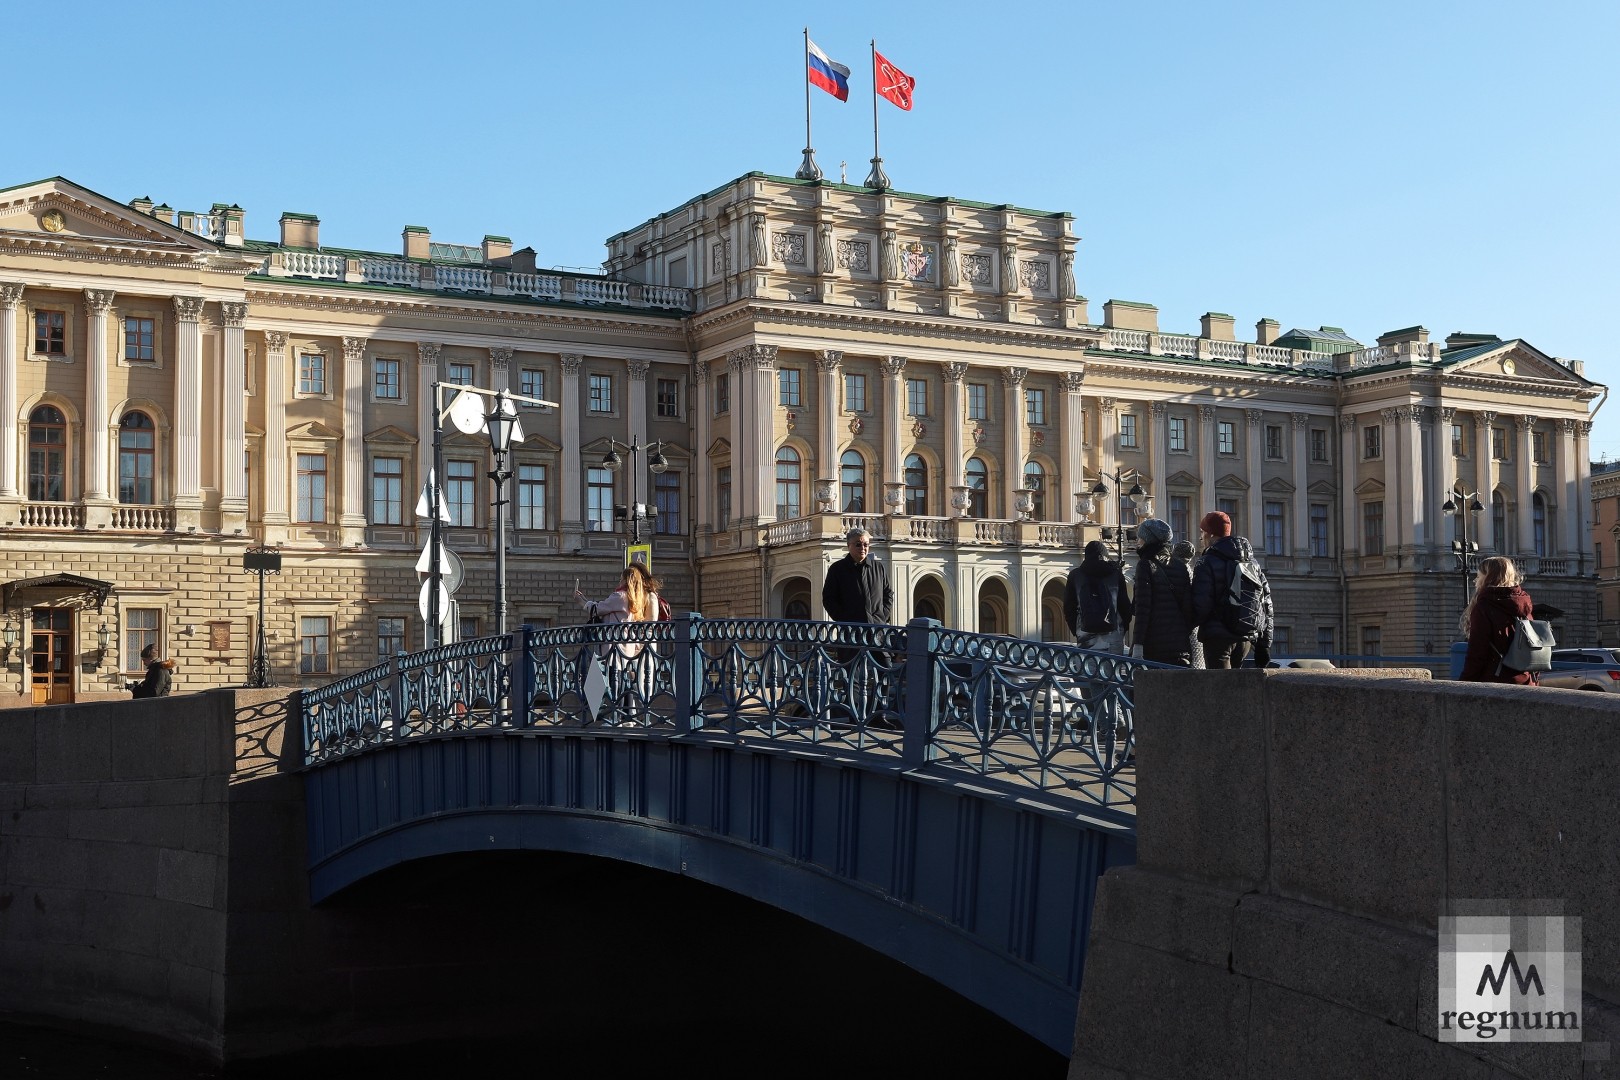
[
  {"x": 635, "y": 600},
  {"x": 1488, "y": 622}
]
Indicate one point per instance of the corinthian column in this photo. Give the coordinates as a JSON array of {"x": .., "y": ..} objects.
[
  {"x": 1012, "y": 467},
  {"x": 1072, "y": 446},
  {"x": 1350, "y": 541},
  {"x": 1526, "y": 484},
  {"x": 1486, "y": 478},
  {"x": 11, "y": 295},
  {"x": 97, "y": 421},
  {"x": 1158, "y": 439},
  {"x": 188, "y": 413},
  {"x": 761, "y": 384},
  {"x": 233, "y": 501},
  {"x": 894, "y": 410},
  {"x": 702, "y": 480},
  {"x": 572, "y": 520},
  {"x": 954, "y": 417},
  {"x": 1302, "y": 495},
  {"x": 828, "y": 362},
  {"x": 351, "y": 499},
  {"x": 1571, "y": 511},
  {"x": 275, "y": 437}
]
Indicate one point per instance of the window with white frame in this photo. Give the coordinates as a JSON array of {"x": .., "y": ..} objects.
[
  {"x": 531, "y": 496},
  {"x": 140, "y": 339},
  {"x": 1274, "y": 442},
  {"x": 601, "y": 393},
  {"x": 1035, "y": 406},
  {"x": 916, "y": 397},
  {"x": 387, "y": 491},
  {"x": 787, "y": 387},
  {"x": 461, "y": 492},
  {"x": 140, "y": 630},
  {"x": 1225, "y": 437},
  {"x": 1178, "y": 434},
  {"x": 314, "y": 645},
  {"x": 385, "y": 384},
  {"x": 667, "y": 503},
  {"x": 137, "y": 441},
  {"x": 789, "y": 484},
  {"x": 1127, "y": 431},
  {"x": 854, "y": 393},
  {"x": 1319, "y": 531},
  {"x": 312, "y": 373},
  {"x": 390, "y": 636},
  {"x": 978, "y": 401},
  {"x": 852, "y": 482},
  {"x": 311, "y": 489},
  {"x": 1275, "y": 542},
  {"x": 598, "y": 499},
  {"x": 669, "y": 398}
]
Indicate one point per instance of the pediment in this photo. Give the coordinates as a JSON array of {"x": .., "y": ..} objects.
[
  {"x": 391, "y": 434},
  {"x": 720, "y": 448},
  {"x": 1370, "y": 486},
  {"x": 539, "y": 444},
  {"x": 1515, "y": 360},
  {"x": 1182, "y": 479},
  {"x": 1279, "y": 485},
  {"x": 1322, "y": 487},
  {"x": 314, "y": 430},
  {"x": 1232, "y": 482},
  {"x": 57, "y": 210}
]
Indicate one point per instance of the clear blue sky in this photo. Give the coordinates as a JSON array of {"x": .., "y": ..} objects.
[{"x": 1370, "y": 165}]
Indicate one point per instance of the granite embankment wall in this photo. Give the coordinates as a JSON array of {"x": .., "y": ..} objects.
[{"x": 1298, "y": 837}]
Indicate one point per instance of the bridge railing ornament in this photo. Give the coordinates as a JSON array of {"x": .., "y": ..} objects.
[{"x": 1031, "y": 714}]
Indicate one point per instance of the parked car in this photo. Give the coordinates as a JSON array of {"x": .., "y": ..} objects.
[
  {"x": 1292, "y": 662},
  {"x": 1584, "y": 669}
]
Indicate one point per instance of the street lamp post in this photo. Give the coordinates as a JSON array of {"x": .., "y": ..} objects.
[
  {"x": 1140, "y": 499},
  {"x": 262, "y": 561},
  {"x": 500, "y": 422},
  {"x": 1463, "y": 547},
  {"x": 656, "y": 463}
]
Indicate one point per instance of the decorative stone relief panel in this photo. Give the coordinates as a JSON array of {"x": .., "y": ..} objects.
[
  {"x": 917, "y": 261},
  {"x": 717, "y": 259},
  {"x": 976, "y": 269},
  {"x": 855, "y": 255},
  {"x": 788, "y": 248},
  {"x": 1035, "y": 275}
]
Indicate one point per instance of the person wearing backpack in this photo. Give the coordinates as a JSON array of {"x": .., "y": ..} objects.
[
  {"x": 1498, "y": 603},
  {"x": 1231, "y": 598},
  {"x": 1182, "y": 555},
  {"x": 1163, "y": 601},
  {"x": 1096, "y": 604}
]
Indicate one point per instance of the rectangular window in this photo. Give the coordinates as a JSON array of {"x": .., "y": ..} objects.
[
  {"x": 1229, "y": 507},
  {"x": 598, "y": 500},
  {"x": 787, "y": 387},
  {"x": 461, "y": 492},
  {"x": 667, "y": 503},
  {"x": 855, "y": 393},
  {"x": 460, "y": 374},
  {"x": 50, "y": 332},
  {"x": 669, "y": 398},
  {"x": 1274, "y": 529},
  {"x": 1319, "y": 530},
  {"x": 1178, "y": 434},
  {"x": 138, "y": 340},
  {"x": 311, "y": 488},
  {"x": 1180, "y": 516},
  {"x": 1597, "y": 556},
  {"x": 1326, "y": 640},
  {"x": 1319, "y": 445},
  {"x": 1538, "y": 447},
  {"x": 1499, "y": 443},
  {"x": 1274, "y": 442},
  {"x": 467, "y": 628},
  {"x": 1225, "y": 437},
  {"x": 532, "y": 383},
  {"x": 1127, "y": 431},
  {"x": 1282, "y": 640},
  {"x": 978, "y": 401},
  {"x": 385, "y": 379},
  {"x": 1372, "y": 641},
  {"x": 722, "y": 498},
  {"x": 531, "y": 497},
  {"x": 1372, "y": 442},
  {"x": 1035, "y": 406},
  {"x": 722, "y": 393},
  {"x": 388, "y": 491},
  {"x": 390, "y": 637},
  {"x": 314, "y": 645},
  {"x": 916, "y": 397},
  {"x": 601, "y": 393},
  {"x": 1372, "y": 528},
  {"x": 312, "y": 373},
  {"x": 1458, "y": 447},
  {"x": 789, "y": 483},
  {"x": 140, "y": 630}
]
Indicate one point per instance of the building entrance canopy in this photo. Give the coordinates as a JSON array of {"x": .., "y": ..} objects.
[{"x": 54, "y": 590}]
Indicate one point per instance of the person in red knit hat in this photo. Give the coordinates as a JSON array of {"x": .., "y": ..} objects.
[{"x": 1231, "y": 597}]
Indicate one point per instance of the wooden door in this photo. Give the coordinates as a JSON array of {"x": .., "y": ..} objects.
[{"x": 53, "y": 656}]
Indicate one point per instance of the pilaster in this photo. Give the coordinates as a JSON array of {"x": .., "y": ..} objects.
[
  {"x": 1012, "y": 466},
  {"x": 97, "y": 421},
  {"x": 1349, "y": 519},
  {"x": 1485, "y": 477},
  {"x": 1298, "y": 424},
  {"x": 351, "y": 498},
  {"x": 1208, "y": 460},
  {"x": 275, "y": 518},
  {"x": 894, "y": 411},
  {"x": 1524, "y": 496},
  {"x": 702, "y": 470},
  {"x": 188, "y": 413},
  {"x": 11, "y": 294},
  {"x": 1158, "y": 440},
  {"x": 828, "y": 364},
  {"x": 761, "y": 361},
  {"x": 1571, "y": 511},
  {"x": 1254, "y": 451},
  {"x": 233, "y": 501},
  {"x": 570, "y": 501},
  {"x": 1072, "y": 445}
]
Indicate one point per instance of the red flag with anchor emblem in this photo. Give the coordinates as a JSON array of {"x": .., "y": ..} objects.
[{"x": 891, "y": 82}]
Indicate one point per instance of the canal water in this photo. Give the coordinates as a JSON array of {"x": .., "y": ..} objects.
[{"x": 738, "y": 989}]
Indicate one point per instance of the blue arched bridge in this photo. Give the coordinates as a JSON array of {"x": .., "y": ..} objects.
[{"x": 945, "y": 798}]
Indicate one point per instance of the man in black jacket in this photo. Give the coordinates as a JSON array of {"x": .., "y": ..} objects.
[
  {"x": 1231, "y": 598},
  {"x": 857, "y": 588},
  {"x": 159, "y": 676}
]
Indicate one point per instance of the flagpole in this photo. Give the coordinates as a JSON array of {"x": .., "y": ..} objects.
[
  {"x": 876, "y": 178},
  {"x": 808, "y": 169}
]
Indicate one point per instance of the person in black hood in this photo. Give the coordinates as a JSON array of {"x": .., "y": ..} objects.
[
  {"x": 1163, "y": 600},
  {"x": 1183, "y": 555},
  {"x": 1231, "y": 597},
  {"x": 1096, "y": 604}
]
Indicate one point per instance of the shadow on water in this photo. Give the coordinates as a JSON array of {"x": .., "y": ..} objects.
[{"x": 665, "y": 974}]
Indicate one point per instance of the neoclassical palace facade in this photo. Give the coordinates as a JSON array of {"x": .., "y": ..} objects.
[{"x": 794, "y": 357}]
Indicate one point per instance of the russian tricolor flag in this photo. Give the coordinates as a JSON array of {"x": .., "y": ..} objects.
[{"x": 828, "y": 73}]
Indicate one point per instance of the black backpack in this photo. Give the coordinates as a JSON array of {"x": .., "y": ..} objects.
[
  {"x": 1241, "y": 604},
  {"x": 1099, "y": 611}
]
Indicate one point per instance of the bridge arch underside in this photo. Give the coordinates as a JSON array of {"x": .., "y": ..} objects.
[{"x": 987, "y": 896}]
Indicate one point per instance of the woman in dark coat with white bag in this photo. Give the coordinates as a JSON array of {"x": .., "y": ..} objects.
[{"x": 1498, "y": 602}]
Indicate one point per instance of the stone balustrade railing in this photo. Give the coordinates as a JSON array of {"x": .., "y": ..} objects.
[
  {"x": 143, "y": 518},
  {"x": 1189, "y": 347}
]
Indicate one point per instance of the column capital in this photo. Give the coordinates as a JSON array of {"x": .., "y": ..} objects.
[
  {"x": 1390, "y": 415},
  {"x": 233, "y": 313},
  {"x": 700, "y": 371},
  {"x": 761, "y": 357},
  {"x": 735, "y": 358},
  {"x": 1157, "y": 410},
  {"x": 500, "y": 357},
  {"x": 1206, "y": 414},
  {"x": 1448, "y": 414},
  {"x": 1107, "y": 405},
  {"x": 1525, "y": 421},
  {"x": 189, "y": 308},
  {"x": 1417, "y": 414},
  {"x": 570, "y": 364},
  {"x": 828, "y": 361},
  {"x": 99, "y": 301},
  {"x": 354, "y": 348},
  {"x": 892, "y": 366},
  {"x": 1586, "y": 428},
  {"x": 1299, "y": 419},
  {"x": 275, "y": 340},
  {"x": 1567, "y": 425},
  {"x": 11, "y": 293},
  {"x": 1348, "y": 422},
  {"x": 1487, "y": 417},
  {"x": 1013, "y": 377},
  {"x": 1255, "y": 416},
  {"x": 427, "y": 353},
  {"x": 638, "y": 369},
  {"x": 1074, "y": 381}
]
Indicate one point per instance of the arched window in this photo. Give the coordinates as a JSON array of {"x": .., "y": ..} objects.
[
  {"x": 977, "y": 479},
  {"x": 1498, "y": 523},
  {"x": 47, "y": 455},
  {"x": 1539, "y": 511},
  {"x": 852, "y": 482},
  {"x": 916, "y": 476},
  {"x": 1035, "y": 480},
  {"x": 789, "y": 473},
  {"x": 136, "y": 440}
]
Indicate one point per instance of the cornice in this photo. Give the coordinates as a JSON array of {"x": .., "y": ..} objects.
[
  {"x": 437, "y": 307},
  {"x": 893, "y": 323},
  {"x": 124, "y": 252}
]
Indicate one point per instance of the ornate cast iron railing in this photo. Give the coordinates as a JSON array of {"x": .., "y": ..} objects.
[{"x": 1029, "y": 714}]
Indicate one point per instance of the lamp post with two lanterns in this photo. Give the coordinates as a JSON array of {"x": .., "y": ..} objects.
[
  {"x": 656, "y": 464},
  {"x": 1459, "y": 500},
  {"x": 1086, "y": 502},
  {"x": 501, "y": 423}
]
